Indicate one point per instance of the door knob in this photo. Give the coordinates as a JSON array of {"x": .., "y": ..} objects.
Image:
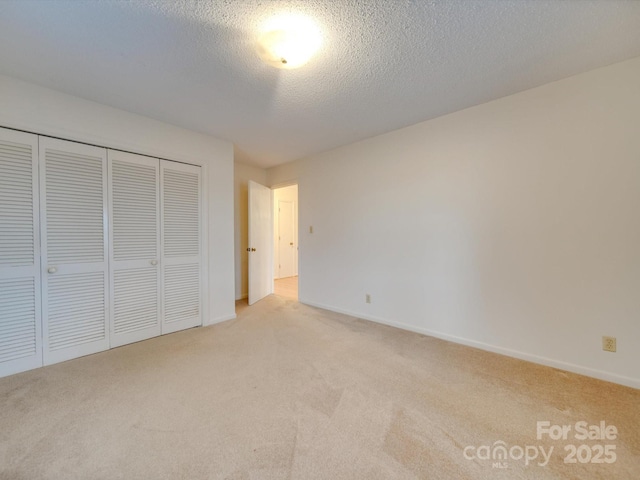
[
  {"x": 154, "y": 262},
  {"x": 291, "y": 243},
  {"x": 253, "y": 249},
  {"x": 52, "y": 269}
]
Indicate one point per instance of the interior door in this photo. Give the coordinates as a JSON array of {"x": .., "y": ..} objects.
[
  {"x": 286, "y": 236},
  {"x": 20, "y": 321},
  {"x": 260, "y": 246},
  {"x": 180, "y": 262},
  {"x": 73, "y": 209},
  {"x": 134, "y": 204}
]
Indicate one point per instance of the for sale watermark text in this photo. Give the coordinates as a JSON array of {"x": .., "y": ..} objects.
[
  {"x": 600, "y": 448},
  {"x": 581, "y": 431}
]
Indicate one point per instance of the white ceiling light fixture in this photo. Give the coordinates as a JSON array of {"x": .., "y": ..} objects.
[{"x": 289, "y": 41}]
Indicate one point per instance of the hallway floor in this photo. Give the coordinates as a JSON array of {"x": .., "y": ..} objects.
[{"x": 286, "y": 287}]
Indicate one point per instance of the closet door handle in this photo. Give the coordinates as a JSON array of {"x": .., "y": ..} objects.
[
  {"x": 52, "y": 269},
  {"x": 154, "y": 262}
]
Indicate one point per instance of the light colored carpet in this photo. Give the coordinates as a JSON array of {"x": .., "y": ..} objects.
[{"x": 288, "y": 391}]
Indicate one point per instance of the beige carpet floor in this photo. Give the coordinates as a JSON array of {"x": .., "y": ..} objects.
[{"x": 288, "y": 391}]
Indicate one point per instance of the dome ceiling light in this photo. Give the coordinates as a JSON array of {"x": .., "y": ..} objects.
[{"x": 289, "y": 41}]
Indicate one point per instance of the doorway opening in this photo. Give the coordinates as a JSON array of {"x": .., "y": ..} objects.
[{"x": 285, "y": 241}]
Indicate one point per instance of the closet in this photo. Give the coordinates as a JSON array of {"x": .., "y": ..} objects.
[{"x": 98, "y": 248}]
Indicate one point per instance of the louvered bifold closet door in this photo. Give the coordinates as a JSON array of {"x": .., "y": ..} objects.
[
  {"x": 134, "y": 196},
  {"x": 181, "y": 246},
  {"x": 20, "y": 323},
  {"x": 73, "y": 208}
]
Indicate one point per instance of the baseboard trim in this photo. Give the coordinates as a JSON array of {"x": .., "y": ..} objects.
[
  {"x": 224, "y": 318},
  {"x": 549, "y": 362}
]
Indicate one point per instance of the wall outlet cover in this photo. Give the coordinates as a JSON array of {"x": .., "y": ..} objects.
[{"x": 609, "y": 344}]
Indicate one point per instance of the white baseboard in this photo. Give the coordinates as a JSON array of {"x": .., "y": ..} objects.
[
  {"x": 549, "y": 362},
  {"x": 224, "y": 318}
]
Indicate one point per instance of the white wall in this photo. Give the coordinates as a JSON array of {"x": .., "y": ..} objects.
[
  {"x": 512, "y": 226},
  {"x": 40, "y": 110},
  {"x": 286, "y": 194},
  {"x": 243, "y": 173}
]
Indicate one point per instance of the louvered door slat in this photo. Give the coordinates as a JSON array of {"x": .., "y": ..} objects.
[
  {"x": 20, "y": 316},
  {"x": 136, "y": 300},
  {"x": 181, "y": 246},
  {"x": 75, "y": 283},
  {"x": 76, "y": 309},
  {"x": 18, "y": 319},
  {"x": 181, "y": 212},
  {"x": 135, "y": 245},
  {"x": 16, "y": 202},
  {"x": 74, "y": 206},
  {"x": 182, "y": 299}
]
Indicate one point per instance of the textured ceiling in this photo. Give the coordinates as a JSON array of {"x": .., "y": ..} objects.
[{"x": 384, "y": 64}]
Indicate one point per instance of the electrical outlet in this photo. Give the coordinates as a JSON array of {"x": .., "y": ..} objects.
[
  {"x": 367, "y": 298},
  {"x": 609, "y": 344}
]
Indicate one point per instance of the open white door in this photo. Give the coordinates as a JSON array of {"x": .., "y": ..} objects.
[{"x": 260, "y": 248}]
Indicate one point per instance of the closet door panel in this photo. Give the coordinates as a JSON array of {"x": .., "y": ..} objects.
[
  {"x": 181, "y": 246},
  {"x": 73, "y": 201},
  {"x": 135, "y": 247},
  {"x": 20, "y": 315}
]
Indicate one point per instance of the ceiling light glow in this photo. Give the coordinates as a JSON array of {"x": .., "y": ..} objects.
[{"x": 289, "y": 41}]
